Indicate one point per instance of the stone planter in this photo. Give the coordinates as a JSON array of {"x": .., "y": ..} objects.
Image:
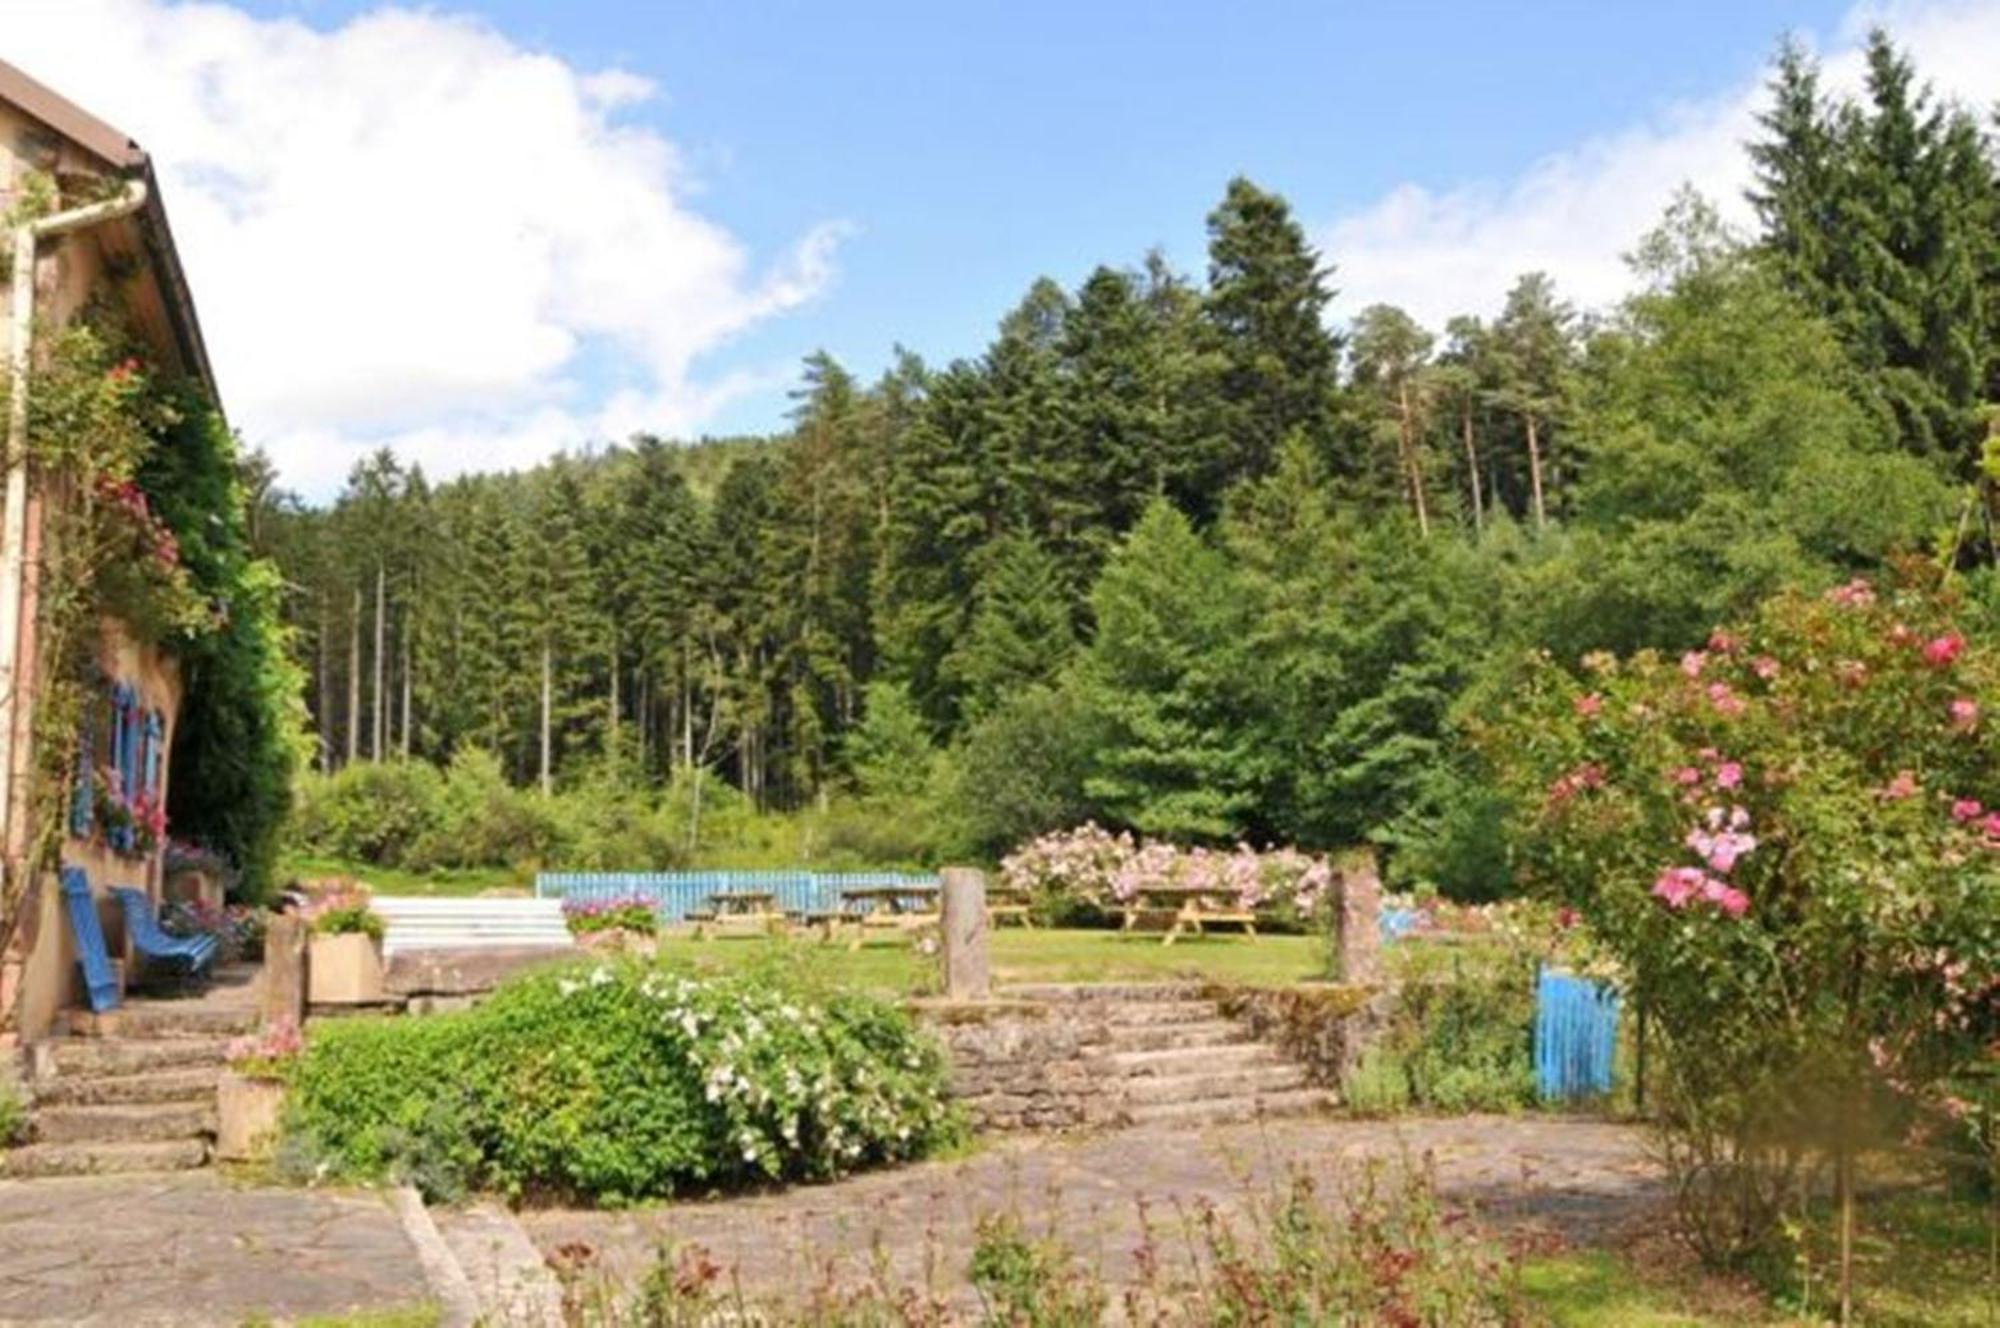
[
  {"x": 344, "y": 970},
  {"x": 619, "y": 941},
  {"x": 246, "y": 1124}
]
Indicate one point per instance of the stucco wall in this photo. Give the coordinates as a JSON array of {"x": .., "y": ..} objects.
[{"x": 49, "y": 980}]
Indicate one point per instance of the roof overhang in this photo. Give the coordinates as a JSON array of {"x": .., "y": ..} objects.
[{"x": 120, "y": 155}]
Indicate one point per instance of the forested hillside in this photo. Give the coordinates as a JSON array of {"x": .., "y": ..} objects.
[{"x": 1177, "y": 553}]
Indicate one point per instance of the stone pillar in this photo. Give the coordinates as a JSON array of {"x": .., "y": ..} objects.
[
  {"x": 282, "y": 984},
  {"x": 967, "y": 975},
  {"x": 1358, "y": 919}
]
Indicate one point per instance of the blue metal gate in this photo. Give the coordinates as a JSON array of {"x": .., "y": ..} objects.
[{"x": 1576, "y": 1036}]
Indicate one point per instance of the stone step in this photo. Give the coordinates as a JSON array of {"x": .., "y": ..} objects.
[
  {"x": 151, "y": 1122},
  {"x": 1145, "y": 1014},
  {"x": 1104, "y": 991},
  {"x": 1161, "y": 1037},
  {"x": 170, "y": 1019},
  {"x": 1227, "y": 1110},
  {"x": 1247, "y": 1082},
  {"x": 194, "y": 1084},
  {"x": 122, "y": 1056},
  {"x": 95, "y": 1159},
  {"x": 1217, "y": 1058}
]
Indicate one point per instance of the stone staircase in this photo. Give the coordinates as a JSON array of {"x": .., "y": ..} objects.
[
  {"x": 134, "y": 1093},
  {"x": 1178, "y": 1059}
]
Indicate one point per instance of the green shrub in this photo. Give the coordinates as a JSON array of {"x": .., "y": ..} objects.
[
  {"x": 619, "y": 1082},
  {"x": 1379, "y": 1085},
  {"x": 480, "y": 820},
  {"x": 355, "y": 919},
  {"x": 368, "y": 812},
  {"x": 13, "y": 1115},
  {"x": 1461, "y": 1039}
]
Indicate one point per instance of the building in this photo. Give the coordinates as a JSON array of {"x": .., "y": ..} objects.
[{"x": 104, "y": 241}]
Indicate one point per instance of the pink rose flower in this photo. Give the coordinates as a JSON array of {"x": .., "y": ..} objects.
[
  {"x": 1687, "y": 775},
  {"x": 1726, "y": 897},
  {"x": 1966, "y": 809},
  {"x": 1764, "y": 667},
  {"x": 1589, "y": 704},
  {"x": 1856, "y": 594},
  {"x": 1942, "y": 650},
  {"x": 1722, "y": 642},
  {"x": 1964, "y": 713},
  {"x": 1693, "y": 662},
  {"x": 1904, "y": 785},
  {"x": 1678, "y": 885},
  {"x": 1728, "y": 775},
  {"x": 1726, "y": 702}
]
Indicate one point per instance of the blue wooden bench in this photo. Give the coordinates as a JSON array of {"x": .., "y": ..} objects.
[
  {"x": 99, "y": 982},
  {"x": 190, "y": 954}
]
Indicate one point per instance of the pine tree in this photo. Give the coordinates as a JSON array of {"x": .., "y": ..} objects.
[
  {"x": 1276, "y": 365},
  {"x": 1534, "y": 346},
  {"x": 1022, "y": 630},
  {"x": 1389, "y": 355}
]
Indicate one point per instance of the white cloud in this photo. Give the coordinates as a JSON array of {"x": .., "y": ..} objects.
[
  {"x": 1439, "y": 252},
  {"x": 409, "y": 230}
]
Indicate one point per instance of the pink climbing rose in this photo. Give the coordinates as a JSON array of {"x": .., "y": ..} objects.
[
  {"x": 1964, "y": 713},
  {"x": 1765, "y": 667},
  {"x": 1677, "y": 885},
  {"x": 1728, "y": 775},
  {"x": 1693, "y": 662},
  {"x": 1942, "y": 650},
  {"x": 1726, "y": 897},
  {"x": 1966, "y": 809}
]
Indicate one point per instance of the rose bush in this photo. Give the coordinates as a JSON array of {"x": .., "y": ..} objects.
[
  {"x": 1090, "y": 863},
  {"x": 1787, "y": 841}
]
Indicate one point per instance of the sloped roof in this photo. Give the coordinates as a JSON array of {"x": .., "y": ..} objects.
[{"x": 122, "y": 156}]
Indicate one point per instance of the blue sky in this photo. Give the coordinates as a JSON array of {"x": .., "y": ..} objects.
[
  {"x": 851, "y": 176},
  {"x": 974, "y": 147}
]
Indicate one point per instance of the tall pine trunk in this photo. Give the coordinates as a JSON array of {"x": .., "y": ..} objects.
[
  {"x": 377, "y": 747},
  {"x": 354, "y": 680},
  {"x": 323, "y": 671},
  {"x": 408, "y": 686},
  {"x": 1535, "y": 472},
  {"x": 548, "y": 709},
  {"x": 1407, "y": 439},
  {"x": 1472, "y": 464}
]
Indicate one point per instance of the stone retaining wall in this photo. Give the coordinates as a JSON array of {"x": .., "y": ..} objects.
[
  {"x": 1321, "y": 1026},
  {"x": 1027, "y": 1065}
]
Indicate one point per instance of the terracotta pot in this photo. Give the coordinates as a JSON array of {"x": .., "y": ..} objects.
[
  {"x": 344, "y": 970},
  {"x": 246, "y": 1124}
]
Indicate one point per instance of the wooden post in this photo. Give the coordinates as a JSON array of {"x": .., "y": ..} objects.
[
  {"x": 282, "y": 993},
  {"x": 967, "y": 974}
]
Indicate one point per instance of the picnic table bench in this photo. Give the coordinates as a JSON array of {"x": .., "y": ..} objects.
[
  {"x": 1004, "y": 902},
  {"x": 751, "y": 912},
  {"x": 1190, "y": 908},
  {"x": 902, "y": 908}
]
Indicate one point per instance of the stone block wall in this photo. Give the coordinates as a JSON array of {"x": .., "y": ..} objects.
[
  {"x": 1321, "y": 1026},
  {"x": 1028, "y": 1065}
]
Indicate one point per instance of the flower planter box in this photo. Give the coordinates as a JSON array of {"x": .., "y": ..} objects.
[
  {"x": 247, "y": 1111},
  {"x": 619, "y": 941},
  {"x": 344, "y": 970}
]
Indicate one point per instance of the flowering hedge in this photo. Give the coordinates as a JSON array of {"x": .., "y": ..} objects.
[
  {"x": 1092, "y": 863},
  {"x": 1787, "y": 840},
  {"x": 635, "y": 913},
  {"x": 618, "y": 1082}
]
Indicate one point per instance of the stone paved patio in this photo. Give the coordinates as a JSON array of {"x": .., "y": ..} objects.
[
  {"x": 193, "y": 1248},
  {"x": 1582, "y": 1181}
]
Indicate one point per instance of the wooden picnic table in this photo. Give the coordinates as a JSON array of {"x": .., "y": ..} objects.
[
  {"x": 903, "y": 908},
  {"x": 1192, "y": 908},
  {"x": 745, "y": 910}
]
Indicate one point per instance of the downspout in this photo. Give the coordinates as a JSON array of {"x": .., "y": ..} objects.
[{"x": 15, "y": 705}]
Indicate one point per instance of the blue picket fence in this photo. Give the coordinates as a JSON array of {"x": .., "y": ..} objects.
[
  {"x": 1576, "y": 1036},
  {"x": 676, "y": 894}
]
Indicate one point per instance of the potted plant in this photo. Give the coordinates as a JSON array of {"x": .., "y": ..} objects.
[
  {"x": 629, "y": 925},
  {"x": 251, "y": 1092},
  {"x": 344, "y": 966}
]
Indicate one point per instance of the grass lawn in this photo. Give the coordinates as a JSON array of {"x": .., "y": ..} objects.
[
  {"x": 1921, "y": 1260},
  {"x": 394, "y": 881},
  {"x": 1020, "y": 955}
]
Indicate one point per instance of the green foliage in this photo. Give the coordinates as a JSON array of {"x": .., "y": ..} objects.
[
  {"x": 1030, "y": 1281},
  {"x": 889, "y": 752},
  {"x": 1460, "y": 1038},
  {"x": 1020, "y": 770},
  {"x": 13, "y": 1115},
  {"x": 355, "y": 919},
  {"x": 240, "y": 737},
  {"x": 619, "y": 1083}
]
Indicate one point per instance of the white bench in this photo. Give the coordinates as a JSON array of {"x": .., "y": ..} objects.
[{"x": 426, "y": 922}]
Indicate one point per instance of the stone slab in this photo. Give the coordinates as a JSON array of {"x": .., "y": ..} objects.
[{"x": 195, "y": 1248}]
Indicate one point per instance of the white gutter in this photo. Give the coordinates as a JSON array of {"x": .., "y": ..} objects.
[{"x": 14, "y": 705}]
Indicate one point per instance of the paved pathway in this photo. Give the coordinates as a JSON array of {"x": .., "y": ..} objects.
[
  {"x": 193, "y": 1248},
  {"x": 1580, "y": 1180}
]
